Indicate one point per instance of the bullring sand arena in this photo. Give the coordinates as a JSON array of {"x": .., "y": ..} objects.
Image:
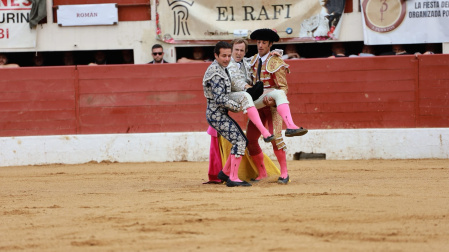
[{"x": 357, "y": 205}]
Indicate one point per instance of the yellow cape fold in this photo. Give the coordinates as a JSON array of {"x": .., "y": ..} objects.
[{"x": 247, "y": 169}]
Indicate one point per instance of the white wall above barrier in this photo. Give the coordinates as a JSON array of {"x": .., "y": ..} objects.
[{"x": 342, "y": 144}]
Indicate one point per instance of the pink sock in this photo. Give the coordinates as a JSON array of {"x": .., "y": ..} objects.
[
  {"x": 235, "y": 163},
  {"x": 255, "y": 118},
  {"x": 227, "y": 166},
  {"x": 258, "y": 160},
  {"x": 284, "y": 111},
  {"x": 280, "y": 154}
]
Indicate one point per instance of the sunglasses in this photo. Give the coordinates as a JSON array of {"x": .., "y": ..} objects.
[{"x": 157, "y": 53}]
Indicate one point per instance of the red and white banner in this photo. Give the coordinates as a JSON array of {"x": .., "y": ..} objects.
[
  {"x": 405, "y": 22},
  {"x": 303, "y": 20},
  {"x": 15, "y": 30}
]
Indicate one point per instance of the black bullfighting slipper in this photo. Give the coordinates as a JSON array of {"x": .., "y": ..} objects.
[
  {"x": 222, "y": 176},
  {"x": 231, "y": 183},
  {"x": 268, "y": 139},
  {"x": 295, "y": 132},
  {"x": 283, "y": 181},
  {"x": 212, "y": 182}
]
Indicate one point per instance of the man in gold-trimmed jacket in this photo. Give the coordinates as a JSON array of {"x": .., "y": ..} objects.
[{"x": 272, "y": 72}]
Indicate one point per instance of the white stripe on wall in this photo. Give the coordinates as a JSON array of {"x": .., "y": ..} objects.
[{"x": 341, "y": 144}]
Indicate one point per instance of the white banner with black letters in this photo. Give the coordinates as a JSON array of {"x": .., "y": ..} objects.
[
  {"x": 405, "y": 22},
  {"x": 186, "y": 20},
  {"x": 87, "y": 14}
]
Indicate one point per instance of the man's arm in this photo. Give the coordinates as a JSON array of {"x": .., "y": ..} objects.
[
  {"x": 280, "y": 78},
  {"x": 218, "y": 92},
  {"x": 9, "y": 65},
  {"x": 187, "y": 60}
]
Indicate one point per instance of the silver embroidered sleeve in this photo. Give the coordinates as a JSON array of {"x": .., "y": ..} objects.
[
  {"x": 238, "y": 78},
  {"x": 220, "y": 96}
]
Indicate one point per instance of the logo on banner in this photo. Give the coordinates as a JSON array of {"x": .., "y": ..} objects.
[
  {"x": 384, "y": 15},
  {"x": 180, "y": 16}
]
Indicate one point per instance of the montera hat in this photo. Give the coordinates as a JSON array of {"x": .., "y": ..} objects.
[{"x": 265, "y": 34}]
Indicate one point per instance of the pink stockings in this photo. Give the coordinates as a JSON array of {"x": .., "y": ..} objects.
[
  {"x": 280, "y": 154},
  {"x": 284, "y": 111},
  {"x": 232, "y": 168},
  {"x": 253, "y": 115}
]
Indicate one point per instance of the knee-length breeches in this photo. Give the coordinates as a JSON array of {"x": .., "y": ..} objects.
[
  {"x": 220, "y": 120},
  {"x": 242, "y": 98},
  {"x": 277, "y": 94}
]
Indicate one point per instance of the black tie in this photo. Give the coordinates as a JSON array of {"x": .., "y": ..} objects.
[
  {"x": 226, "y": 70},
  {"x": 259, "y": 69}
]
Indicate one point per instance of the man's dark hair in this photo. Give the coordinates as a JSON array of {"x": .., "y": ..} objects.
[
  {"x": 221, "y": 45},
  {"x": 156, "y": 46}
]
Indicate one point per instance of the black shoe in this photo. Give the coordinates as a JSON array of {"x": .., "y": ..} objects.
[
  {"x": 231, "y": 183},
  {"x": 283, "y": 180},
  {"x": 268, "y": 139},
  {"x": 222, "y": 176},
  {"x": 295, "y": 132},
  {"x": 255, "y": 180}
]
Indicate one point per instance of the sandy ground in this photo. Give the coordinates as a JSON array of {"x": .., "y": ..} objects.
[{"x": 377, "y": 205}]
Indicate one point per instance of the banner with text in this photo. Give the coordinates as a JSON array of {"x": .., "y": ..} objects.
[
  {"x": 15, "y": 30},
  {"x": 405, "y": 22},
  {"x": 184, "y": 20},
  {"x": 87, "y": 14}
]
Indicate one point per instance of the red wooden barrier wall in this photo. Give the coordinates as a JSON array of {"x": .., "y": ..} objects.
[
  {"x": 37, "y": 101},
  {"x": 433, "y": 93},
  {"x": 141, "y": 98},
  {"x": 377, "y": 92},
  {"x": 354, "y": 92}
]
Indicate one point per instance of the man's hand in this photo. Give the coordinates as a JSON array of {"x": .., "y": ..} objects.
[
  {"x": 269, "y": 101},
  {"x": 276, "y": 52},
  {"x": 293, "y": 55}
]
